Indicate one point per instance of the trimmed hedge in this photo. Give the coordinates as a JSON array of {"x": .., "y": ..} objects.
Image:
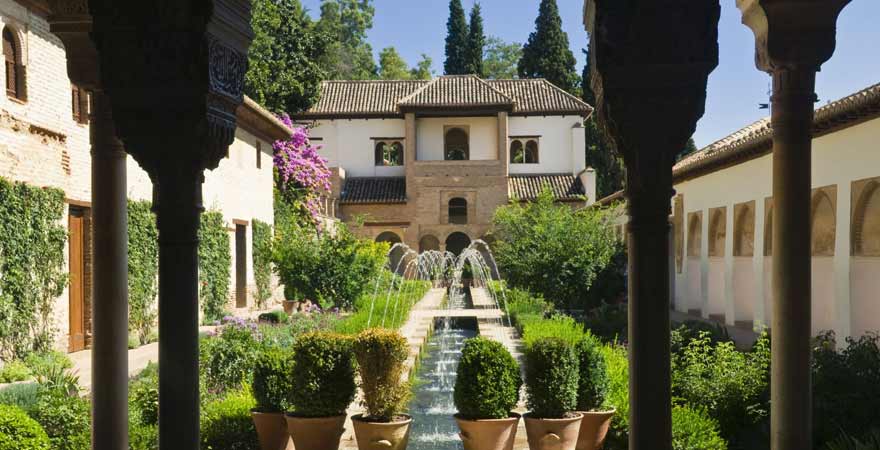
[
  {"x": 592, "y": 375},
  {"x": 551, "y": 378},
  {"x": 273, "y": 380},
  {"x": 323, "y": 375},
  {"x": 226, "y": 423},
  {"x": 20, "y": 432},
  {"x": 488, "y": 380},
  {"x": 381, "y": 355}
]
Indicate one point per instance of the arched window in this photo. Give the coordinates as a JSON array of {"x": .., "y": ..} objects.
[
  {"x": 524, "y": 151},
  {"x": 428, "y": 243},
  {"x": 457, "y": 242},
  {"x": 389, "y": 153},
  {"x": 695, "y": 235},
  {"x": 389, "y": 237},
  {"x": 822, "y": 225},
  {"x": 866, "y": 223},
  {"x": 15, "y": 77},
  {"x": 717, "y": 233},
  {"x": 456, "y": 145},
  {"x": 458, "y": 211},
  {"x": 744, "y": 231}
]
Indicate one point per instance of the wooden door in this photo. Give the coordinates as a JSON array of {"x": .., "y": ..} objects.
[
  {"x": 240, "y": 266},
  {"x": 77, "y": 229}
]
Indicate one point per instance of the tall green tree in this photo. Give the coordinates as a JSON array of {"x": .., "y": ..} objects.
[
  {"x": 392, "y": 66},
  {"x": 456, "y": 40},
  {"x": 689, "y": 148},
  {"x": 422, "y": 70},
  {"x": 600, "y": 154},
  {"x": 476, "y": 41},
  {"x": 500, "y": 59},
  {"x": 284, "y": 73},
  {"x": 349, "y": 56},
  {"x": 547, "y": 54}
]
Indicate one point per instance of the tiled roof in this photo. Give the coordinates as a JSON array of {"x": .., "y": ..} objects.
[
  {"x": 527, "y": 187},
  {"x": 756, "y": 139},
  {"x": 385, "y": 98},
  {"x": 374, "y": 190},
  {"x": 456, "y": 91},
  {"x": 539, "y": 95}
]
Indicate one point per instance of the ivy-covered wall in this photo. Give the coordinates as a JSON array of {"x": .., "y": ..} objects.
[
  {"x": 32, "y": 267},
  {"x": 215, "y": 265},
  {"x": 143, "y": 269},
  {"x": 262, "y": 257}
]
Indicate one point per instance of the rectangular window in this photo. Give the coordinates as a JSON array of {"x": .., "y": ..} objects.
[
  {"x": 259, "y": 155},
  {"x": 524, "y": 150},
  {"x": 388, "y": 152},
  {"x": 79, "y": 99}
]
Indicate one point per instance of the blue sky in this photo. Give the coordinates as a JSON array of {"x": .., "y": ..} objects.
[{"x": 736, "y": 88}]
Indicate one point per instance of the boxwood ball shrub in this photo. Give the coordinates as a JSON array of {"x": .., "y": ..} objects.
[
  {"x": 226, "y": 423},
  {"x": 323, "y": 375},
  {"x": 273, "y": 379},
  {"x": 592, "y": 375},
  {"x": 20, "y": 432},
  {"x": 551, "y": 378},
  {"x": 381, "y": 355},
  {"x": 488, "y": 380}
]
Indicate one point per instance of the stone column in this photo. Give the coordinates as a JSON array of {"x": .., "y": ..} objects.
[
  {"x": 410, "y": 153},
  {"x": 503, "y": 132},
  {"x": 650, "y": 94},
  {"x": 71, "y": 22},
  {"x": 110, "y": 281},
  {"x": 792, "y": 39},
  {"x": 842, "y": 261}
]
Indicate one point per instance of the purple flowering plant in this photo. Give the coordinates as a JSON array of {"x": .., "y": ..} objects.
[{"x": 302, "y": 173}]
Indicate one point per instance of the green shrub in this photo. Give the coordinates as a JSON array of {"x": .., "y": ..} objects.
[
  {"x": 487, "y": 382},
  {"x": 381, "y": 355},
  {"x": 273, "y": 379},
  {"x": 617, "y": 368},
  {"x": 694, "y": 429},
  {"x": 61, "y": 380},
  {"x": 274, "y": 317},
  {"x": 559, "y": 326},
  {"x": 609, "y": 322},
  {"x": 592, "y": 375},
  {"x": 14, "y": 371},
  {"x": 143, "y": 270},
  {"x": 226, "y": 423},
  {"x": 551, "y": 378},
  {"x": 689, "y": 330},
  {"x": 333, "y": 269},
  {"x": 22, "y": 395},
  {"x": 20, "y": 432},
  {"x": 323, "y": 375},
  {"x": 43, "y": 363},
  {"x": 227, "y": 359},
  {"x": 215, "y": 264},
  {"x": 846, "y": 387},
  {"x": 405, "y": 294},
  {"x": 870, "y": 441},
  {"x": 733, "y": 387},
  {"x": 553, "y": 250},
  {"x": 66, "y": 419},
  {"x": 262, "y": 256},
  {"x": 142, "y": 437},
  {"x": 143, "y": 397}
]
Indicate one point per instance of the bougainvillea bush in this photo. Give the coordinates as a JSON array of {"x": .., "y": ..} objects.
[{"x": 301, "y": 173}]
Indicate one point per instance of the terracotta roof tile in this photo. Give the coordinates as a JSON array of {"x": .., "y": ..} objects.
[
  {"x": 527, "y": 187},
  {"x": 385, "y": 98},
  {"x": 374, "y": 190}
]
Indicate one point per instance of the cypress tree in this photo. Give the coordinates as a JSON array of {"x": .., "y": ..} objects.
[
  {"x": 600, "y": 154},
  {"x": 547, "y": 54},
  {"x": 475, "y": 43},
  {"x": 456, "y": 40}
]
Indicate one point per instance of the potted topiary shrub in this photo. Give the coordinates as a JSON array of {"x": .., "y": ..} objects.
[
  {"x": 323, "y": 387},
  {"x": 381, "y": 355},
  {"x": 592, "y": 386},
  {"x": 272, "y": 384},
  {"x": 551, "y": 387},
  {"x": 486, "y": 390}
]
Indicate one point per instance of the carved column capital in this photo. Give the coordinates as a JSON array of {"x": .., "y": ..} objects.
[
  {"x": 174, "y": 70},
  {"x": 792, "y": 34},
  {"x": 71, "y": 22}
]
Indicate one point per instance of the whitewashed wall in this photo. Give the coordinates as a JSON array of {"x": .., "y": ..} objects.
[
  {"x": 845, "y": 288},
  {"x": 557, "y": 150},
  {"x": 483, "y": 134},
  {"x": 349, "y": 144}
]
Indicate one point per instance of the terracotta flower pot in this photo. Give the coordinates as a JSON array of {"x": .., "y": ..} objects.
[
  {"x": 553, "y": 434},
  {"x": 271, "y": 430},
  {"x": 594, "y": 427},
  {"x": 488, "y": 434},
  {"x": 316, "y": 433},
  {"x": 380, "y": 435}
]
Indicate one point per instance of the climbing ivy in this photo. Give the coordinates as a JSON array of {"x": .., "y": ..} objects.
[
  {"x": 215, "y": 263},
  {"x": 262, "y": 255},
  {"x": 143, "y": 269},
  {"x": 32, "y": 267}
]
